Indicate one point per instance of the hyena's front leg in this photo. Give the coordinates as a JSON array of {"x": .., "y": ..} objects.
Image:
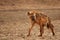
[
  {"x": 41, "y": 30},
  {"x": 32, "y": 25}
]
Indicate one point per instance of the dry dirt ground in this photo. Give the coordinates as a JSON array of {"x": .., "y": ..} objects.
[{"x": 14, "y": 25}]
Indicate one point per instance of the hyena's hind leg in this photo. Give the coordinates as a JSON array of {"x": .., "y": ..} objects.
[
  {"x": 51, "y": 26},
  {"x": 41, "y": 30}
]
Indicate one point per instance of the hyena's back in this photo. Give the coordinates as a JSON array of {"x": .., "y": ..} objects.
[{"x": 41, "y": 18}]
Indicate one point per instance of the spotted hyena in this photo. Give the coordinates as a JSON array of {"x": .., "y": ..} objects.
[{"x": 40, "y": 19}]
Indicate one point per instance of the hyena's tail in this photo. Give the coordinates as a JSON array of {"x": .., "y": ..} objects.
[
  {"x": 50, "y": 25},
  {"x": 47, "y": 25}
]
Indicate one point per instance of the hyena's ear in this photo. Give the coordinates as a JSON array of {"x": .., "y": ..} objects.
[{"x": 28, "y": 13}]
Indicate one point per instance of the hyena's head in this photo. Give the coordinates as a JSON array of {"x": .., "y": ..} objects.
[{"x": 31, "y": 13}]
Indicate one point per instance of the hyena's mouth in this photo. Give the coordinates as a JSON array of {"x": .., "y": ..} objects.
[{"x": 32, "y": 18}]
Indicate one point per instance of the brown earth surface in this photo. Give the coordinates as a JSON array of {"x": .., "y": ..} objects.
[{"x": 14, "y": 25}]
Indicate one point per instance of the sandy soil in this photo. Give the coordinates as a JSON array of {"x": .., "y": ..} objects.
[{"x": 14, "y": 25}]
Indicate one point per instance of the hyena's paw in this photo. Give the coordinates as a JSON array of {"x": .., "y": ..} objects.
[
  {"x": 53, "y": 34},
  {"x": 39, "y": 35},
  {"x": 28, "y": 35}
]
